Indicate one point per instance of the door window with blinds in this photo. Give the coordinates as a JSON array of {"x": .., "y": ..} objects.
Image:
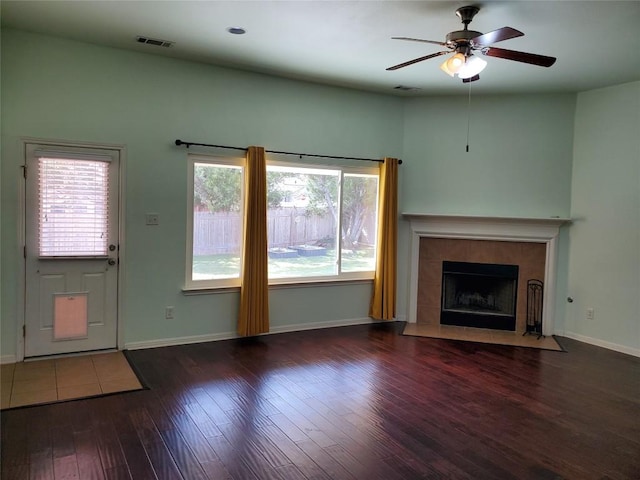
[{"x": 73, "y": 206}]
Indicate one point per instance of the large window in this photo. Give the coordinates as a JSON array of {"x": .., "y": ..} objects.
[{"x": 321, "y": 222}]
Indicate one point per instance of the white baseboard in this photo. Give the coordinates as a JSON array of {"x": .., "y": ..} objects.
[
  {"x": 604, "y": 344},
  {"x": 328, "y": 324},
  {"x": 213, "y": 337},
  {"x": 7, "y": 359},
  {"x": 169, "y": 342}
]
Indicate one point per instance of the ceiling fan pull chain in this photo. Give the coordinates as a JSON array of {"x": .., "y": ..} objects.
[{"x": 468, "y": 116}]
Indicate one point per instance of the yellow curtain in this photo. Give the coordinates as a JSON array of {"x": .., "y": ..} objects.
[
  {"x": 383, "y": 301},
  {"x": 254, "y": 288}
]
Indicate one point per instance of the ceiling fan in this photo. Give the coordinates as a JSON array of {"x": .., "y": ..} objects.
[{"x": 463, "y": 43}]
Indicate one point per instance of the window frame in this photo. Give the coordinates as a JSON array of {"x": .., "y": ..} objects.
[
  {"x": 213, "y": 283},
  {"x": 226, "y": 283},
  {"x": 340, "y": 276}
]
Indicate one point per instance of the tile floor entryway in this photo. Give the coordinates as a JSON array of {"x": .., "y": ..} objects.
[{"x": 45, "y": 381}]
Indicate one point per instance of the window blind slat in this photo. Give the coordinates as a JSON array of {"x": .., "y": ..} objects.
[{"x": 73, "y": 206}]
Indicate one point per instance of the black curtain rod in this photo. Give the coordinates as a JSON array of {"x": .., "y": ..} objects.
[{"x": 188, "y": 144}]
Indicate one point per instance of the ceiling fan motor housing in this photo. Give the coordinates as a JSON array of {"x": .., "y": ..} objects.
[
  {"x": 462, "y": 36},
  {"x": 460, "y": 41}
]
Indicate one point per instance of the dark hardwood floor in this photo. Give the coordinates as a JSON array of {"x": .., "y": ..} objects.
[{"x": 359, "y": 402}]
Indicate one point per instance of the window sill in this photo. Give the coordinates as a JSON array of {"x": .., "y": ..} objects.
[
  {"x": 276, "y": 285},
  {"x": 208, "y": 290}
]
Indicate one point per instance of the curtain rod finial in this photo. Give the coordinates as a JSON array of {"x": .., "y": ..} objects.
[{"x": 178, "y": 142}]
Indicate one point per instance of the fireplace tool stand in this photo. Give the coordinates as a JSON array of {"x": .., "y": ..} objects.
[{"x": 534, "y": 308}]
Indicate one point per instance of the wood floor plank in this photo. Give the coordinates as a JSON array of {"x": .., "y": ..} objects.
[
  {"x": 14, "y": 449},
  {"x": 202, "y": 421},
  {"x": 361, "y": 402},
  {"x": 63, "y": 445},
  {"x": 41, "y": 467},
  {"x": 296, "y": 413},
  {"x": 87, "y": 455},
  {"x": 154, "y": 446},
  {"x": 293, "y": 431},
  {"x": 232, "y": 458},
  {"x": 39, "y": 434},
  {"x": 109, "y": 447},
  {"x": 135, "y": 456},
  {"x": 305, "y": 464},
  {"x": 269, "y": 450},
  {"x": 211, "y": 408},
  {"x": 15, "y": 472},
  {"x": 194, "y": 438},
  {"x": 183, "y": 456},
  {"x": 215, "y": 470},
  {"x": 163, "y": 464},
  {"x": 333, "y": 468},
  {"x": 65, "y": 468},
  {"x": 118, "y": 473}
]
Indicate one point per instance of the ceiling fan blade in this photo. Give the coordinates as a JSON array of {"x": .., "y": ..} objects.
[
  {"x": 504, "y": 33},
  {"x": 416, "y": 60},
  {"x": 531, "y": 58},
  {"x": 419, "y": 40}
]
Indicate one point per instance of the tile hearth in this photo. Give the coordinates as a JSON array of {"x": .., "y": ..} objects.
[{"x": 481, "y": 335}]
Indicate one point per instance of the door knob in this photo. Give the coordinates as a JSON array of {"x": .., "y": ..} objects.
[{"x": 111, "y": 261}]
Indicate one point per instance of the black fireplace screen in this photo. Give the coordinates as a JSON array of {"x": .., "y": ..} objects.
[{"x": 479, "y": 295}]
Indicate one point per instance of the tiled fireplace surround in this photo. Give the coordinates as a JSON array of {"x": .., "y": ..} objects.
[{"x": 530, "y": 243}]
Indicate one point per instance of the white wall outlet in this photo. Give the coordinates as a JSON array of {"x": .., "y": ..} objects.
[
  {"x": 590, "y": 313},
  {"x": 168, "y": 313},
  {"x": 152, "y": 219}
]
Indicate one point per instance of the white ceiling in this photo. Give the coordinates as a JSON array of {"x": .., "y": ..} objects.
[{"x": 348, "y": 43}]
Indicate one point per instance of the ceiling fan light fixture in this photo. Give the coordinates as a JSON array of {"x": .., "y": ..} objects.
[
  {"x": 472, "y": 67},
  {"x": 455, "y": 63},
  {"x": 444, "y": 68}
]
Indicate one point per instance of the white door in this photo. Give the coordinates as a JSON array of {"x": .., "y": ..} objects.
[{"x": 71, "y": 249}]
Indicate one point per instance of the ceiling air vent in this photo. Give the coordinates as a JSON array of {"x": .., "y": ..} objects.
[
  {"x": 404, "y": 88},
  {"x": 154, "y": 41}
]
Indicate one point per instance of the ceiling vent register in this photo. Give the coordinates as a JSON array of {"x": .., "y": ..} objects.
[{"x": 154, "y": 41}]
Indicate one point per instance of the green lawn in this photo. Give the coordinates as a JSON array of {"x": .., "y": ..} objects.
[{"x": 224, "y": 266}]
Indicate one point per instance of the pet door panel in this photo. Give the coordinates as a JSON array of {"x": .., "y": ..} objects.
[{"x": 70, "y": 320}]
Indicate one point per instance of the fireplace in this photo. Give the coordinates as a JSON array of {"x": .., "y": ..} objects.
[
  {"x": 480, "y": 295},
  {"x": 530, "y": 243}
]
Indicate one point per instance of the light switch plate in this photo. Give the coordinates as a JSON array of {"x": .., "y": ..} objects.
[{"x": 152, "y": 219}]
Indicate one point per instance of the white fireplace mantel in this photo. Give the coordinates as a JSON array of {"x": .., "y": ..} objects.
[{"x": 514, "y": 229}]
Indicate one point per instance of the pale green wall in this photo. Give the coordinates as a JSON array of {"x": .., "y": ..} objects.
[
  {"x": 519, "y": 159},
  {"x": 518, "y": 164},
  {"x": 65, "y": 90},
  {"x": 604, "y": 261}
]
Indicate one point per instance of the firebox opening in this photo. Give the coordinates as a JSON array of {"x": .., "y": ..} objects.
[{"x": 479, "y": 295}]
